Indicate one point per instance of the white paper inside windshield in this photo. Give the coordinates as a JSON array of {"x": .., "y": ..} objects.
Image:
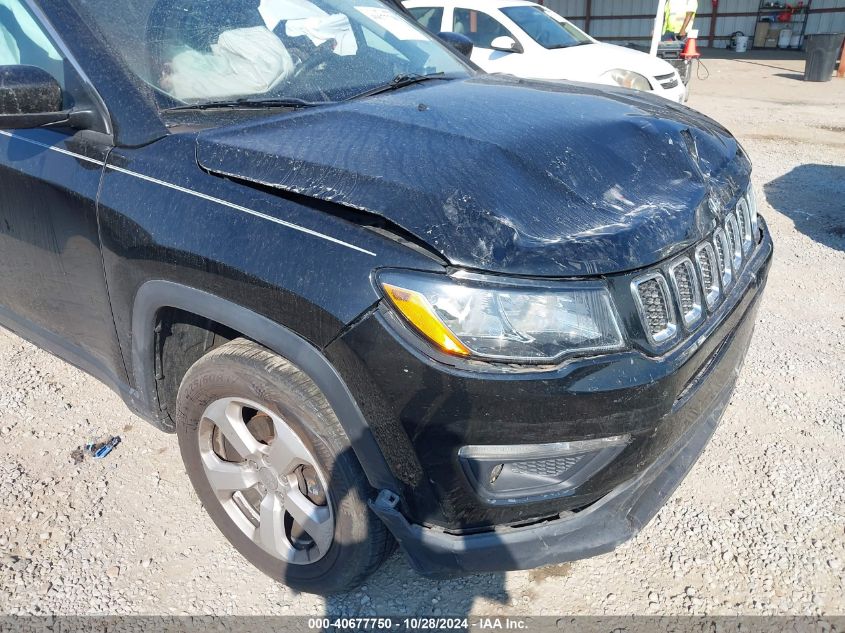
[
  {"x": 320, "y": 29},
  {"x": 389, "y": 21}
]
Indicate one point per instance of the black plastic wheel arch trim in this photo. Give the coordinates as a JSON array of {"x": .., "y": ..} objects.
[{"x": 154, "y": 295}]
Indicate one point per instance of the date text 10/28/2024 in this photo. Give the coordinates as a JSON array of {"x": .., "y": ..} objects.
[{"x": 420, "y": 624}]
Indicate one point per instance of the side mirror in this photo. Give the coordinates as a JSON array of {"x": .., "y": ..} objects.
[
  {"x": 506, "y": 44},
  {"x": 29, "y": 97},
  {"x": 460, "y": 43}
]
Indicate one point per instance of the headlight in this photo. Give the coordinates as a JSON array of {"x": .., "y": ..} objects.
[
  {"x": 627, "y": 79},
  {"x": 475, "y": 316}
]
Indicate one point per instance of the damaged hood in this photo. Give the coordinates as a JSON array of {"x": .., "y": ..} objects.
[{"x": 501, "y": 174}]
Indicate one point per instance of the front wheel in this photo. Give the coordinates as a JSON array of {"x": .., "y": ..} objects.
[{"x": 274, "y": 469}]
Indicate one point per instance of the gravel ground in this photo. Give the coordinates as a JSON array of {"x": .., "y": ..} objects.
[{"x": 758, "y": 527}]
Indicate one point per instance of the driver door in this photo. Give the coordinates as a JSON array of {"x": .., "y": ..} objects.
[
  {"x": 52, "y": 285},
  {"x": 482, "y": 28}
]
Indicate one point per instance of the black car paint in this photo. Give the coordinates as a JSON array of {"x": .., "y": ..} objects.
[
  {"x": 510, "y": 186},
  {"x": 627, "y": 392},
  {"x": 614, "y": 518},
  {"x": 250, "y": 225}
]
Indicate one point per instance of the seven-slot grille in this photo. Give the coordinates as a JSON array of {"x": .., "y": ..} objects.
[{"x": 717, "y": 264}]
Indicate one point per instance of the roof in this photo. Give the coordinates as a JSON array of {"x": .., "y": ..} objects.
[{"x": 471, "y": 4}]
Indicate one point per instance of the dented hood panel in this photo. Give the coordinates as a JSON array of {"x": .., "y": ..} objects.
[{"x": 501, "y": 174}]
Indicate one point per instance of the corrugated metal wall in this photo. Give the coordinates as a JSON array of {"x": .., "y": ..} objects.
[
  {"x": 826, "y": 22},
  {"x": 604, "y": 26}
]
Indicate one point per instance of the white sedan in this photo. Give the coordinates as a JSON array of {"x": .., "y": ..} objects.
[{"x": 528, "y": 40}]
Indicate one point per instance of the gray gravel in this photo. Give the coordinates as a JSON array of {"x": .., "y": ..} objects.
[{"x": 758, "y": 527}]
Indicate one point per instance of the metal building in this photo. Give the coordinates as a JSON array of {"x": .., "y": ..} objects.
[{"x": 623, "y": 21}]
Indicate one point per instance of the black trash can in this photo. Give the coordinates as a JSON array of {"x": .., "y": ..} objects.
[{"x": 822, "y": 53}]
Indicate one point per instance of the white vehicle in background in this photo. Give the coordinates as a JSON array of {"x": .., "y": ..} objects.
[{"x": 532, "y": 41}]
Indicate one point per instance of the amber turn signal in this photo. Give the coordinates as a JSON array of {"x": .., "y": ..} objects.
[{"x": 418, "y": 311}]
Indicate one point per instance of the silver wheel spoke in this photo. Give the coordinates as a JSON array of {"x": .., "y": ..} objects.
[
  {"x": 271, "y": 528},
  {"x": 315, "y": 520},
  {"x": 228, "y": 477},
  {"x": 286, "y": 449},
  {"x": 226, "y": 415}
]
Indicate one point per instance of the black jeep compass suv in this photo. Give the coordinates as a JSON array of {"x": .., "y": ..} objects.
[{"x": 379, "y": 296}]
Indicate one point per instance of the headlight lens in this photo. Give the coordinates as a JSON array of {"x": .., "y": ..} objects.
[
  {"x": 471, "y": 316},
  {"x": 628, "y": 79}
]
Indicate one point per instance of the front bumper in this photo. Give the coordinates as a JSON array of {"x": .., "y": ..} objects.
[
  {"x": 421, "y": 412},
  {"x": 614, "y": 519}
]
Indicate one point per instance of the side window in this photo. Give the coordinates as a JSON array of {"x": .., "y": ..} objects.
[
  {"x": 480, "y": 27},
  {"x": 429, "y": 17},
  {"x": 23, "y": 41}
]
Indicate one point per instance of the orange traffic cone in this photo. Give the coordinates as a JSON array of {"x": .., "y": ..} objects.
[{"x": 690, "y": 49}]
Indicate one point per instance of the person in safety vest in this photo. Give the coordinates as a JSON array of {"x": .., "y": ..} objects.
[{"x": 679, "y": 15}]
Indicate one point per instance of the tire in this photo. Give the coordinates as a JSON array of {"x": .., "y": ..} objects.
[{"x": 243, "y": 372}]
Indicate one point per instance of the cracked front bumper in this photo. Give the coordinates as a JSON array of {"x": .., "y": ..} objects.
[{"x": 621, "y": 513}]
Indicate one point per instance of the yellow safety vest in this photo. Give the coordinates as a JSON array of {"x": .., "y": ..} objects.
[{"x": 676, "y": 12}]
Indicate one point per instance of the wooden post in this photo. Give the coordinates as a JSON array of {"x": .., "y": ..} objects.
[
  {"x": 713, "y": 18},
  {"x": 589, "y": 14}
]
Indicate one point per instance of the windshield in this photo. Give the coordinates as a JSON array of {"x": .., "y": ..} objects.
[
  {"x": 298, "y": 51},
  {"x": 546, "y": 28}
]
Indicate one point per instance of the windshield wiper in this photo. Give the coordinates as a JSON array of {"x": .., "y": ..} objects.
[
  {"x": 400, "y": 81},
  {"x": 288, "y": 102},
  {"x": 571, "y": 45}
]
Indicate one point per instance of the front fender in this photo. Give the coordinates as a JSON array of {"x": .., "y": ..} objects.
[{"x": 154, "y": 295}]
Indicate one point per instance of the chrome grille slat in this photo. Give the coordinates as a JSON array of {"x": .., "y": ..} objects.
[
  {"x": 708, "y": 272},
  {"x": 651, "y": 294},
  {"x": 720, "y": 245},
  {"x": 687, "y": 293},
  {"x": 734, "y": 241},
  {"x": 743, "y": 216}
]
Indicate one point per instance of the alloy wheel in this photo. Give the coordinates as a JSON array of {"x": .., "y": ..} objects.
[{"x": 267, "y": 480}]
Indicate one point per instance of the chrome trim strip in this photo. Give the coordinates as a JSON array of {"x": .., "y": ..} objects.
[
  {"x": 191, "y": 192},
  {"x": 515, "y": 452}
]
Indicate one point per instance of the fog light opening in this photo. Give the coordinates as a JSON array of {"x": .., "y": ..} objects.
[{"x": 521, "y": 473}]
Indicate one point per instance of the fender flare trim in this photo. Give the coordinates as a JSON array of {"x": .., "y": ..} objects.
[{"x": 154, "y": 295}]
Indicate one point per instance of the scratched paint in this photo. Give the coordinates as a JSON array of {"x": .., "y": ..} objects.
[{"x": 503, "y": 175}]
